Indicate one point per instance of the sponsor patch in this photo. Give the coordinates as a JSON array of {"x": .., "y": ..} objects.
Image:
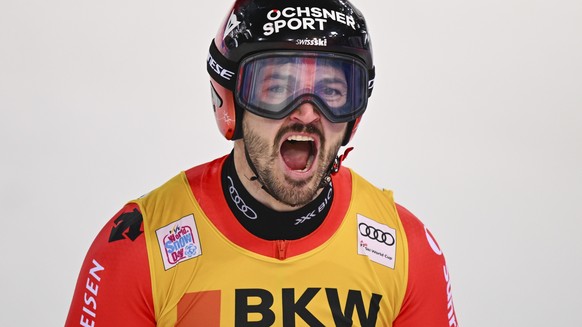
[
  {"x": 179, "y": 241},
  {"x": 376, "y": 241}
]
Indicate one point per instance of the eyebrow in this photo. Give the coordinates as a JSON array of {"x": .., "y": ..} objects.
[
  {"x": 333, "y": 80},
  {"x": 277, "y": 75}
]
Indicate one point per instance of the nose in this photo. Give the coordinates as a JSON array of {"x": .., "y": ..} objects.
[{"x": 306, "y": 113}]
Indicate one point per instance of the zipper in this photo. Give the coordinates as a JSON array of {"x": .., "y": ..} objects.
[{"x": 281, "y": 249}]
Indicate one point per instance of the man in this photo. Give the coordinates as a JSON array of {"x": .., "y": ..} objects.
[{"x": 276, "y": 233}]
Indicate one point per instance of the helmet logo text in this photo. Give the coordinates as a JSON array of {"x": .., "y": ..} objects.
[
  {"x": 312, "y": 18},
  {"x": 221, "y": 71},
  {"x": 314, "y": 41}
]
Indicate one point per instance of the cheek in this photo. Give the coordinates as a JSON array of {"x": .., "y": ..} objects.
[
  {"x": 264, "y": 128},
  {"x": 335, "y": 132}
]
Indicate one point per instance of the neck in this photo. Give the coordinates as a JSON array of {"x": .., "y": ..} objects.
[{"x": 267, "y": 223}]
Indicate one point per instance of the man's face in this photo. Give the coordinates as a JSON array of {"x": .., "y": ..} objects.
[{"x": 293, "y": 154}]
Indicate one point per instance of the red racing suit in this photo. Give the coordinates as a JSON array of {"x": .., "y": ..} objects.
[{"x": 178, "y": 257}]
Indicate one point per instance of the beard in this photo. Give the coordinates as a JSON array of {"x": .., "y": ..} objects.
[{"x": 264, "y": 155}]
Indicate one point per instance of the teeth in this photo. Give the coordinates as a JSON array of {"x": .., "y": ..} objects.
[
  {"x": 309, "y": 163},
  {"x": 311, "y": 158},
  {"x": 300, "y": 138}
]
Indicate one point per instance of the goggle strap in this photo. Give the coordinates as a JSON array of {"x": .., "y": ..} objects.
[
  {"x": 221, "y": 69},
  {"x": 371, "y": 77}
]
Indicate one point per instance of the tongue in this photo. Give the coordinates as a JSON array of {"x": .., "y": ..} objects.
[{"x": 296, "y": 154}]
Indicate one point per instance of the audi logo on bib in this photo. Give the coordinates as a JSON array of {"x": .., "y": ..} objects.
[
  {"x": 376, "y": 234},
  {"x": 376, "y": 241}
]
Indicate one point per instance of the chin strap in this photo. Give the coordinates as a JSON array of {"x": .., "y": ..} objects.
[
  {"x": 339, "y": 159},
  {"x": 334, "y": 167}
]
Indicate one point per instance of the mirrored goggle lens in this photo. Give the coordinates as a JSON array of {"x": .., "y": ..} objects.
[{"x": 273, "y": 85}]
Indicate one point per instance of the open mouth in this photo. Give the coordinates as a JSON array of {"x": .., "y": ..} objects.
[{"x": 298, "y": 152}]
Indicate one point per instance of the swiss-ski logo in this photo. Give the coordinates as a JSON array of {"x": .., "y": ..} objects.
[{"x": 315, "y": 42}]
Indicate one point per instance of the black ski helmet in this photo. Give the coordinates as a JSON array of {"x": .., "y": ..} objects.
[{"x": 256, "y": 26}]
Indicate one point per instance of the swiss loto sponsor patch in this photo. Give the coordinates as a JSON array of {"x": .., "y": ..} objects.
[
  {"x": 376, "y": 241},
  {"x": 179, "y": 241}
]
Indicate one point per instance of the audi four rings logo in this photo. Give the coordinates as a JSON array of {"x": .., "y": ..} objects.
[
  {"x": 376, "y": 234},
  {"x": 240, "y": 204}
]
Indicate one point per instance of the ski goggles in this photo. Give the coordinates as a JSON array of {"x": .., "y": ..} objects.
[{"x": 274, "y": 84}]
